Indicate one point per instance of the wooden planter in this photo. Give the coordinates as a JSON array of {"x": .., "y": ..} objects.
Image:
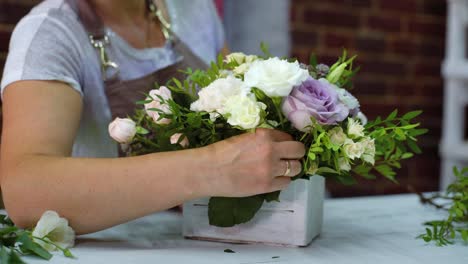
[{"x": 294, "y": 221}]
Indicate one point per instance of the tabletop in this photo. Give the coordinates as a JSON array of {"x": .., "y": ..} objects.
[{"x": 378, "y": 229}]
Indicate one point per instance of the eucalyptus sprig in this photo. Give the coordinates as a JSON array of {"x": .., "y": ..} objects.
[{"x": 455, "y": 201}]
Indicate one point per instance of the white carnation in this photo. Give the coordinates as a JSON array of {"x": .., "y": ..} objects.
[
  {"x": 55, "y": 229},
  {"x": 213, "y": 97},
  {"x": 355, "y": 130},
  {"x": 369, "y": 150},
  {"x": 240, "y": 58},
  {"x": 337, "y": 136},
  {"x": 352, "y": 149},
  {"x": 275, "y": 77},
  {"x": 344, "y": 164},
  {"x": 243, "y": 111}
]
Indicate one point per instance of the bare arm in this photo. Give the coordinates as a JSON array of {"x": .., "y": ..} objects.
[{"x": 37, "y": 173}]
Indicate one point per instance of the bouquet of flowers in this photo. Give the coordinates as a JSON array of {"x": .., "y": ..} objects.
[{"x": 241, "y": 93}]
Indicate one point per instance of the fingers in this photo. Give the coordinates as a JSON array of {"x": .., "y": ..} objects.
[
  {"x": 281, "y": 168},
  {"x": 289, "y": 150},
  {"x": 274, "y": 135},
  {"x": 280, "y": 183}
]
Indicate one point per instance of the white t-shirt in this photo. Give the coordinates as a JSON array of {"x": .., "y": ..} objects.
[{"x": 50, "y": 43}]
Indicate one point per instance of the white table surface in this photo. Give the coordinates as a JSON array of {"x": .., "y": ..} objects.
[{"x": 356, "y": 230}]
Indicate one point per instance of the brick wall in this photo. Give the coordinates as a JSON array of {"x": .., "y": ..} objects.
[{"x": 400, "y": 44}]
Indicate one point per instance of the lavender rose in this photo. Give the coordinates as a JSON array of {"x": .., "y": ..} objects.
[{"x": 314, "y": 99}]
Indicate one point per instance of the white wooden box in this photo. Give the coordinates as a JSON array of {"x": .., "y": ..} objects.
[{"x": 294, "y": 221}]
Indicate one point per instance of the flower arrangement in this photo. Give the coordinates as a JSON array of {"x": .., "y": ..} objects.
[
  {"x": 241, "y": 93},
  {"x": 51, "y": 233}
]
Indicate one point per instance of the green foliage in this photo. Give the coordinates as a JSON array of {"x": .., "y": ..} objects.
[
  {"x": 15, "y": 242},
  {"x": 455, "y": 202}
]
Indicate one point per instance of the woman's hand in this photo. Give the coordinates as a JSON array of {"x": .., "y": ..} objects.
[{"x": 253, "y": 163}]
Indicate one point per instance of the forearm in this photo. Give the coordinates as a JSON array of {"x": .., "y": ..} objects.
[{"x": 94, "y": 194}]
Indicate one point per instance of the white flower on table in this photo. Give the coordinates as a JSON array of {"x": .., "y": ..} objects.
[
  {"x": 51, "y": 227},
  {"x": 275, "y": 77}
]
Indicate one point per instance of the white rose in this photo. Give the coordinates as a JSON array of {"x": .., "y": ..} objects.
[
  {"x": 55, "y": 229},
  {"x": 355, "y": 130},
  {"x": 175, "y": 138},
  {"x": 122, "y": 130},
  {"x": 353, "y": 150},
  {"x": 243, "y": 111},
  {"x": 344, "y": 164},
  {"x": 337, "y": 136},
  {"x": 156, "y": 103},
  {"x": 213, "y": 97},
  {"x": 369, "y": 150},
  {"x": 275, "y": 77}
]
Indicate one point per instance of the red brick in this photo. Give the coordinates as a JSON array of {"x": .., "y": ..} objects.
[
  {"x": 302, "y": 38},
  {"x": 11, "y": 13},
  {"x": 366, "y": 44},
  {"x": 4, "y": 40},
  {"x": 434, "y": 7},
  {"x": 384, "y": 67},
  {"x": 433, "y": 29},
  {"x": 368, "y": 87},
  {"x": 335, "y": 40},
  {"x": 328, "y": 18},
  {"x": 385, "y": 24},
  {"x": 432, "y": 49},
  {"x": 406, "y": 46},
  {"x": 404, "y": 88},
  {"x": 399, "y": 5},
  {"x": 429, "y": 69}
]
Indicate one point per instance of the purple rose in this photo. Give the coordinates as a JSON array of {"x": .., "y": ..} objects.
[{"x": 315, "y": 99}]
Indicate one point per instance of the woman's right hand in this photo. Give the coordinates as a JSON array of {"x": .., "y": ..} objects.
[{"x": 253, "y": 163}]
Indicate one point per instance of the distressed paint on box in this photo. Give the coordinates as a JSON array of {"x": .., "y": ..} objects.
[{"x": 295, "y": 221}]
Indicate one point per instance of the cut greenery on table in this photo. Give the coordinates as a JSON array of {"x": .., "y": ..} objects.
[
  {"x": 51, "y": 233},
  {"x": 455, "y": 202}
]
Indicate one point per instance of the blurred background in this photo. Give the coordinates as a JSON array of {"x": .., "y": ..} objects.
[{"x": 400, "y": 44}]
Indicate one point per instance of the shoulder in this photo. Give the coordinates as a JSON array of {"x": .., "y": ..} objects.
[
  {"x": 49, "y": 17},
  {"x": 46, "y": 44}
]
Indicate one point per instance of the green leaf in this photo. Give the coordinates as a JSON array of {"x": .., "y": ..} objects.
[
  {"x": 392, "y": 115},
  {"x": 141, "y": 130},
  {"x": 227, "y": 211},
  {"x": 28, "y": 245},
  {"x": 411, "y": 115},
  {"x": 414, "y": 147},
  {"x": 407, "y": 155},
  {"x": 67, "y": 253}
]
